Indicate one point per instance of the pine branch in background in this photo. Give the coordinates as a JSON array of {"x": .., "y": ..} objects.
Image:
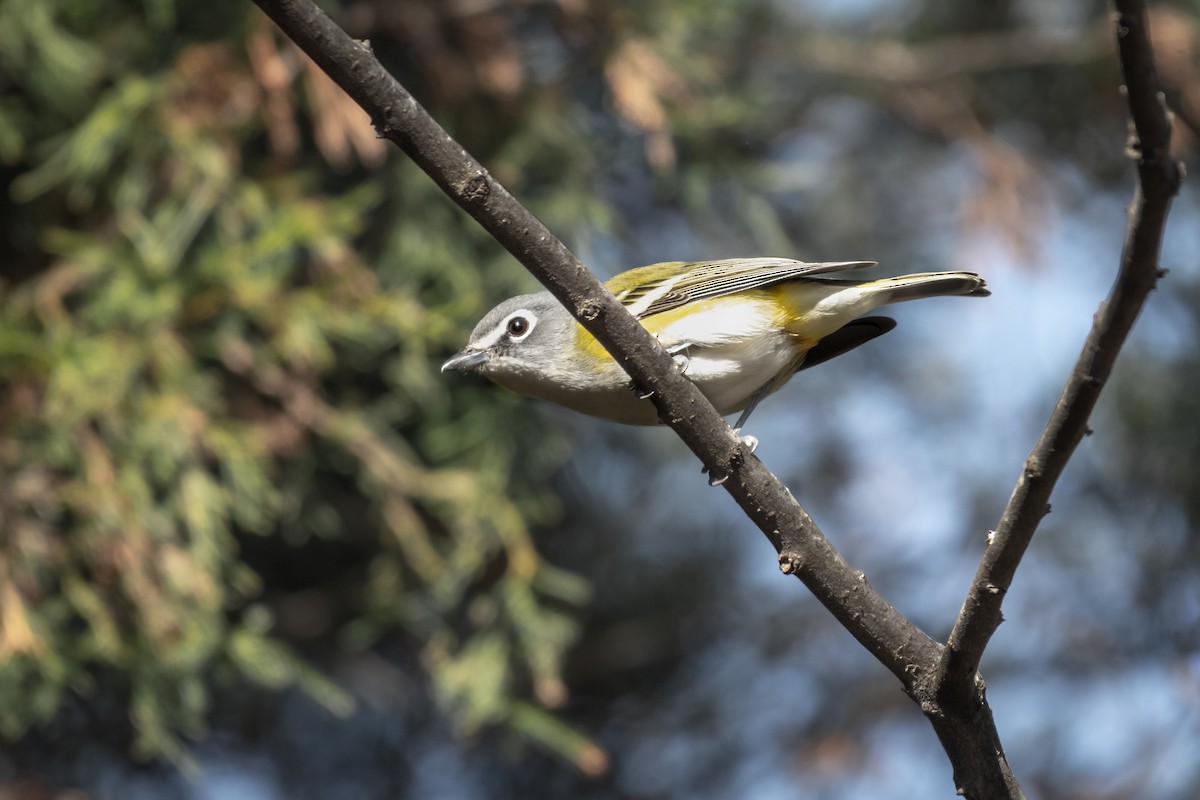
[{"x": 183, "y": 353}]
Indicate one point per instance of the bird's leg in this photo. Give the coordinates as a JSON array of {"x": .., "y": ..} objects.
[
  {"x": 755, "y": 399},
  {"x": 750, "y": 442}
]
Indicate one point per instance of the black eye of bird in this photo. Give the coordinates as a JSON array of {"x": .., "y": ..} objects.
[{"x": 518, "y": 326}]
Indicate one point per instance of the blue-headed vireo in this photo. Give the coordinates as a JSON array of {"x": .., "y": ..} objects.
[{"x": 739, "y": 328}]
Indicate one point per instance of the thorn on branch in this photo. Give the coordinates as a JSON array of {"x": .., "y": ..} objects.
[
  {"x": 1122, "y": 29},
  {"x": 789, "y": 563},
  {"x": 1033, "y": 468},
  {"x": 1133, "y": 145},
  {"x": 589, "y": 309},
  {"x": 379, "y": 123},
  {"x": 476, "y": 189}
]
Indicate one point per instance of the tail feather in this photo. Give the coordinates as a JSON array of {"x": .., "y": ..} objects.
[{"x": 930, "y": 284}]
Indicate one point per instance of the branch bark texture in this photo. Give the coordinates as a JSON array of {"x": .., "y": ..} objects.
[{"x": 1159, "y": 178}]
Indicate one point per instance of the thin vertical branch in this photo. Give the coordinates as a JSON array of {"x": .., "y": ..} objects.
[{"x": 1159, "y": 178}]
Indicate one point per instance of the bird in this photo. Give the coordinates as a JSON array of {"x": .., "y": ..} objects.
[{"x": 739, "y": 328}]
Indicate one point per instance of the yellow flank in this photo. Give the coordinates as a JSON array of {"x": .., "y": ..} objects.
[
  {"x": 794, "y": 306},
  {"x": 798, "y": 301}
]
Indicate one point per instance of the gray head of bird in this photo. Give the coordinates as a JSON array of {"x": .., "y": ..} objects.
[{"x": 521, "y": 340}]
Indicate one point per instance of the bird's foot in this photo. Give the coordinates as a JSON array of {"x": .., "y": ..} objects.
[
  {"x": 679, "y": 353},
  {"x": 751, "y": 442}
]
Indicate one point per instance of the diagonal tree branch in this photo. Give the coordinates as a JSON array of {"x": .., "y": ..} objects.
[{"x": 1159, "y": 177}]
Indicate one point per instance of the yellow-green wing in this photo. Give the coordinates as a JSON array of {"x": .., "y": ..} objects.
[{"x": 662, "y": 287}]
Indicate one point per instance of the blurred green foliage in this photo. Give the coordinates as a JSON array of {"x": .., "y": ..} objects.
[{"x": 205, "y": 338}]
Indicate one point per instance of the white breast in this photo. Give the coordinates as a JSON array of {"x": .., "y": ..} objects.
[{"x": 734, "y": 350}]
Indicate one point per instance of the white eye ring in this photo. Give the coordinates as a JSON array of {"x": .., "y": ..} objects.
[{"x": 518, "y": 325}]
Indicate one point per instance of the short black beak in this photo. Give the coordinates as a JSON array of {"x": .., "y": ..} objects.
[{"x": 465, "y": 360}]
